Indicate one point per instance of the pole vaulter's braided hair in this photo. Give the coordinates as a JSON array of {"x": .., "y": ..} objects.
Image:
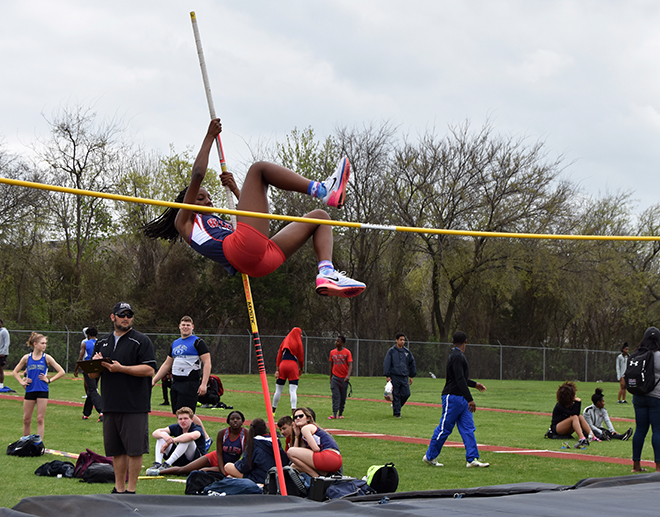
[{"x": 163, "y": 226}]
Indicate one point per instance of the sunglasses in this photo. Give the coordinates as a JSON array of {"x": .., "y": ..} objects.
[
  {"x": 125, "y": 315},
  {"x": 296, "y": 417}
]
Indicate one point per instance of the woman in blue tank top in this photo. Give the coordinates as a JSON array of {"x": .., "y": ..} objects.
[{"x": 36, "y": 381}]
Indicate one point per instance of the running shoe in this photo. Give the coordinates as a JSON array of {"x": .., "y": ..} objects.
[
  {"x": 336, "y": 184},
  {"x": 581, "y": 444},
  {"x": 208, "y": 443},
  {"x": 164, "y": 466},
  {"x": 627, "y": 434},
  {"x": 331, "y": 417},
  {"x": 476, "y": 463},
  {"x": 85, "y": 417},
  {"x": 100, "y": 418},
  {"x": 154, "y": 470},
  {"x": 331, "y": 282},
  {"x": 7, "y": 389},
  {"x": 433, "y": 462}
]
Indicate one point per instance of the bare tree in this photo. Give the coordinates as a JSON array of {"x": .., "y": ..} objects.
[{"x": 473, "y": 181}]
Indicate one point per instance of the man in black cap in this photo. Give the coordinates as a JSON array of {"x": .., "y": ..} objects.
[{"x": 129, "y": 362}]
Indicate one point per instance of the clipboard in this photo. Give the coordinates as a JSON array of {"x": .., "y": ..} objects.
[{"x": 93, "y": 365}]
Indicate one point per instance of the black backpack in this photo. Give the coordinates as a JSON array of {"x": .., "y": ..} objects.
[
  {"x": 26, "y": 446},
  {"x": 86, "y": 459},
  {"x": 383, "y": 478},
  {"x": 198, "y": 480},
  {"x": 640, "y": 372},
  {"x": 294, "y": 481},
  {"x": 214, "y": 390},
  {"x": 99, "y": 473},
  {"x": 53, "y": 468}
]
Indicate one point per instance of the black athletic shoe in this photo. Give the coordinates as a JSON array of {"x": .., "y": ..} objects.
[
  {"x": 164, "y": 403},
  {"x": 627, "y": 434}
]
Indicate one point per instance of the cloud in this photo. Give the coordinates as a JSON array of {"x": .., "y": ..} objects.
[{"x": 541, "y": 65}]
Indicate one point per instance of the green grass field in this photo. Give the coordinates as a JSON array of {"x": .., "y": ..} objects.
[{"x": 66, "y": 431}]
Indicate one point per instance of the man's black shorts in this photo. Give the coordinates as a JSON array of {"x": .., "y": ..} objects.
[{"x": 126, "y": 433}]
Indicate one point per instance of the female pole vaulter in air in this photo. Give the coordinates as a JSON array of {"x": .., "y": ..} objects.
[{"x": 247, "y": 248}]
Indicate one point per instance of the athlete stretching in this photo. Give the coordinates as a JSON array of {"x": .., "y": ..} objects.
[{"x": 247, "y": 248}]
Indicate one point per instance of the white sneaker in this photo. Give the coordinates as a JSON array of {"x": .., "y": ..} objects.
[
  {"x": 476, "y": 463},
  {"x": 433, "y": 462},
  {"x": 336, "y": 184},
  {"x": 154, "y": 470},
  {"x": 331, "y": 282}
]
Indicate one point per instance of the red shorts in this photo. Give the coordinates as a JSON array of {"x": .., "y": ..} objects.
[
  {"x": 328, "y": 460},
  {"x": 251, "y": 252},
  {"x": 289, "y": 370}
]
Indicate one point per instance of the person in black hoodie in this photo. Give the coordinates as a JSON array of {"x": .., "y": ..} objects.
[
  {"x": 258, "y": 456},
  {"x": 457, "y": 407}
]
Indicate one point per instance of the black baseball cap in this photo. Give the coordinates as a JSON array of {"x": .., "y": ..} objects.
[{"x": 122, "y": 307}]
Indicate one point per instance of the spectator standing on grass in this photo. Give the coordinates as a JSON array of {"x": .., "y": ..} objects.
[
  {"x": 129, "y": 362},
  {"x": 166, "y": 384},
  {"x": 91, "y": 385},
  {"x": 186, "y": 359},
  {"x": 289, "y": 357},
  {"x": 647, "y": 407},
  {"x": 4, "y": 352},
  {"x": 457, "y": 407},
  {"x": 621, "y": 363},
  {"x": 341, "y": 367},
  {"x": 399, "y": 368},
  {"x": 36, "y": 382}
]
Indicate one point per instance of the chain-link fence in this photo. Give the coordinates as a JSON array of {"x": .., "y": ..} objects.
[{"x": 234, "y": 354}]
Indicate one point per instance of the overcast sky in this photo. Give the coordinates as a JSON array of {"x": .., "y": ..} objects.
[{"x": 583, "y": 76}]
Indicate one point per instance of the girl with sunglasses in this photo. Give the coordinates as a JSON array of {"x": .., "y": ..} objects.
[{"x": 314, "y": 451}]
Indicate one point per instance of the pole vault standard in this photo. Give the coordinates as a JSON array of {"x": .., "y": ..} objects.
[{"x": 246, "y": 279}]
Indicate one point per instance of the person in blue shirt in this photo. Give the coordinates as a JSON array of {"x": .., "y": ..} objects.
[
  {"x": 91, "y": 385},
  {"x": 189, "y": 362},
  {"x": 399, "y": 369},
  {"x": 36, "y": 382}
]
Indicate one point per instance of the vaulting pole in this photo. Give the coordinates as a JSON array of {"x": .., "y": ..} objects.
[{"x": 246, "y": 279}]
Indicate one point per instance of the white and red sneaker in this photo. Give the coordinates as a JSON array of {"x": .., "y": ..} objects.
[
  {"x": 336, "y": 184},
  {"x": 330, "y": 282}
]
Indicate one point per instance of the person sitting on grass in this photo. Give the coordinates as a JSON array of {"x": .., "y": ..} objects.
[
  {"x": 314, "y": 451},
  {"x": 178, "y": 443},
  {"x": 258, "y": 457},
  {"x": 566, "y": 417},
  {"x": 596, "y": 415},
  {"x": 285, "y": 424},
  {"x": 231, "y": 440}
]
